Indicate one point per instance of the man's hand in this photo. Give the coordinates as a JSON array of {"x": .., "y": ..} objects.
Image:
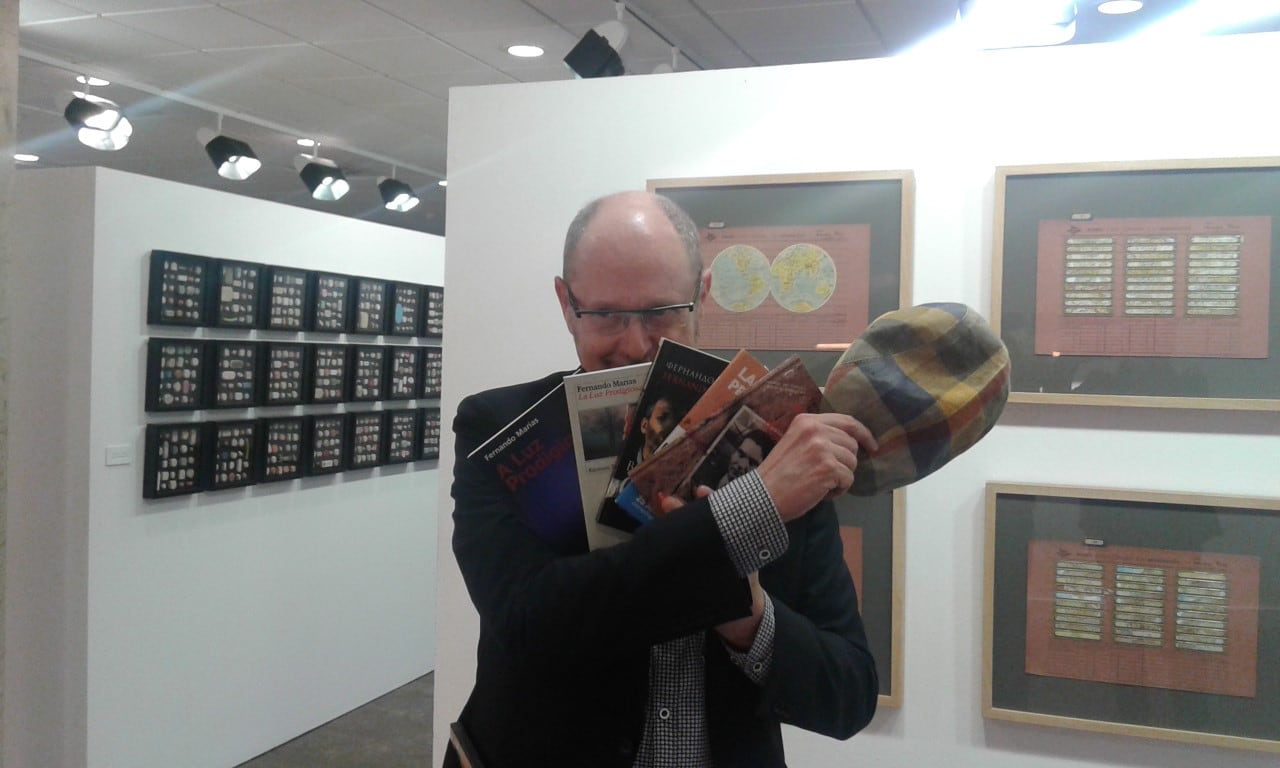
[{"x": 814, "y": 460}]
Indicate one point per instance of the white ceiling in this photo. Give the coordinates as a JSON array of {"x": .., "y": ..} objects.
[{"x": 370, "y": 79}]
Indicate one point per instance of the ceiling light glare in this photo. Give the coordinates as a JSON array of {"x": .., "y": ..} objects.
[
  {"x": 26, "y": 157},
  {"x": 91, "y": 81},
  {"x": 306, "y": 142},
  {"x": 1119, "y": 7},
  {"x": 323, "y": 178},
  {"x": 233, "y": 158},
  {"x": 990, "y": 24},
  {"x": 443, "y": 183},
  {"x": 1209, "y": 16},
  {"x": 397, "y": 196},
  {"x": 98, "y": 122},
  {"x": 525, "y": 51}
]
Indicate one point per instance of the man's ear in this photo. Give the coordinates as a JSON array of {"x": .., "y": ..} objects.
[
  {"x": 706, "y": 285},
  {"x": 562, "y": 293}
]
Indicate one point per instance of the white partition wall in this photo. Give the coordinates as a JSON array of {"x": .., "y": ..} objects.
[
  {"x": 523, "y": 158},
  {"x": 202, "y": 630}
]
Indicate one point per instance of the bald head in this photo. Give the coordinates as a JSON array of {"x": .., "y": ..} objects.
[{"x": 632, "y": 214}]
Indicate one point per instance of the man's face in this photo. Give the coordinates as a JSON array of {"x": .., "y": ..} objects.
[
  {"x": 659, "y": 424},
  {"x": 630, "y": 257},
  {"x": 746, "y": 458}
]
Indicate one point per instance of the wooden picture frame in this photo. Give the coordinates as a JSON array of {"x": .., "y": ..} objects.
[
  {"x": 1148, "y": 284},
  {"x": 1132, "y": 612},
  {"x": 801, "y": 263},
  {"x": 873, "y": 532}
]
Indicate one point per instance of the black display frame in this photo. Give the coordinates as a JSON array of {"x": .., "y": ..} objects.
[
  {"x": 218, "y": 477},
  {"x": 367, "y": 373},
  {"x": 400, "y": 436},
  {"x": 332, "y": 430},
  {"x": 235, "y": 300},
  {"x": 271, "y": 374},
  {"x": 168, "y": 278},
  {"x": 432, "y": 312},
  {"x": 221, "y": 355},
  {"x": 157, "y": 439},
  {"x": 157, "y": 381},
  {"x": 404, "y": 372},
  {"x": 279, "y": 311},
  {"x": 406, "y": 303},
  {"x": 366, "y": 430},
  {"x": 328, "y": 366},
  {"x": 269, "y": 430},
  {"x": 331, "y": 303},
  {"x": 431, "y": 379},
  {"x": 372, "y": 306},
  {"x": 429, "y": 434}
]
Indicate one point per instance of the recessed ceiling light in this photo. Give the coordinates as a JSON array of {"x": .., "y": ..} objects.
[
  {"x": 443, "y": 182},
  {"x": 1118, "y": 7},
  {"x": 526, "y": 51},
  {"x": 306, "y": 142},
  {"x": 24, "y": 157},
  {"x": 88, "y": 80}
]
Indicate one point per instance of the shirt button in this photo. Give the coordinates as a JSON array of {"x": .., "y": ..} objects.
[
  {"x": 765, "y": 554},
  {"x": 664, "y": 714},
  {"x": 757, "y": 667}
]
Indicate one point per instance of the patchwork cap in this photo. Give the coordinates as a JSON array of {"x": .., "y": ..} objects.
[{"x": 928, "y": 381}]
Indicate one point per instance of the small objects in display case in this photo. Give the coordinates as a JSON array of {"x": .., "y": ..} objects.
[
  {"x": 402, "y": 436},
  {"x": 237, "y": 291},
  {"x": 367, "y": 374},
  {"x": 326, "y": 451},
  {"x": 171, "y": 466},
  {"x": 433, "y": 318},
  {"x": 403, "y": 372},
  {"x": 430, "y": 433},
  {"x": 286, "y": 298},
  {"x": 284, "y": 366},
  {"x": 364, "y": 436},
  {"x": 280, "y": 449},
  {"x": 432, "y": 371},
  {"x": 174, "y": 380},
  {"x": 406, "y": 309},
  {"x": 329, "y": 372},
  {"x": 331, "y": 303},
  {"x": 371, "y": 306},
  {"x": 235, "y": 369},
  {"x": 229, "y": 458},
  {"x": 176, "y": 289}
]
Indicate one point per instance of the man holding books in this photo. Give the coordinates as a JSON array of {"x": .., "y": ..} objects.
[{"x": 688, "y": 644}]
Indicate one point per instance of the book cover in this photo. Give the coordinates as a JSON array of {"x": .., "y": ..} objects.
[
  {"x": 743, "y": 371},
  {"x": 776, "y": 398},
  {"x": 739, "y": 448},
  {"x": 600, "y": 406},
  {"x": 532, "y": 458},
  {"x": 678, "y": 377}
]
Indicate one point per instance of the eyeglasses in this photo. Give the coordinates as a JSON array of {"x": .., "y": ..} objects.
[{"x": 611, "y": 322}]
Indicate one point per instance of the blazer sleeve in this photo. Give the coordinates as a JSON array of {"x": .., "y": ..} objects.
[
  {"x": 672, "y": 578},
  {"x": 823, "y": 677}
]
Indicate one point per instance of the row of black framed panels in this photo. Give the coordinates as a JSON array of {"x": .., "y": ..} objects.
[
  {"x": 192, "y": 374},
  {"x": 192, "y": 457},
  {"x": 189, "y": 290}
]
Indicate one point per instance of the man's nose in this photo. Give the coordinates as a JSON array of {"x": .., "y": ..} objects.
[{"x": 637, "y": 342}]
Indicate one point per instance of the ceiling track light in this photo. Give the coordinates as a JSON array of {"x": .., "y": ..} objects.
[
  {"x": 99, "y": 123},
  {"x": 324, "y": 179},
  {"x": 596, "y": 54},
  {"x": 233, "y": 158},
  {"x": 396, "y": 195}
]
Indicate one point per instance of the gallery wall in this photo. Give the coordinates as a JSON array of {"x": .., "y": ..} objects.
[
  {"x": 197, "y": 630},
  {"x": 524, "y": 158}
]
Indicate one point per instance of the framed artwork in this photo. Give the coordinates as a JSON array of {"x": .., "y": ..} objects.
[
  {"x": 237, "y": 293},
  {"x": 283, "y": 374},
  {"x": 279, "y": 454},
  {"x": 171, "y": 460},
  {"x": 368, "y": 373},
  {"x": 404, "y": 366},
  {"x": 175, "y": 375},
  {"x": 177, "y": 289},
  {"x": 231, "y": 454},
  {"x": 328, "y": 375},
  {"x": 1153, "y": 284},
  {"x": 873, "y": 532},
  {"x": 406, "y": 309},
  {"x": 433, "y": 312},
  {"x": 365, "y": 439},
  {"x": 429, "y": 434},
  {"x": 800, "y": 263},
  {"x": 432, "y": 371},
  {"x": 326, "y": 444},
  {"x": 286, "y": 298},
  {"x": 1133, "y": 612},
  {"x": 235, "y": 374},
  {"x": 331, "y": 298},
  {"x": 401, "y": 435},
  {"x": 371, "y": 306}
]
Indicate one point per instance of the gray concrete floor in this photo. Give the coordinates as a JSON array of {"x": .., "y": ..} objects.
[{"x": 392, "y": 731}]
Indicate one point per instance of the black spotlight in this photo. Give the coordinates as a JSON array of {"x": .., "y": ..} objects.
[
  {"x": 233, "y": 158},
  {"x": 323, "y": 177},
  {"x": 594, "y": 57},
  {"x": 397, "y": 196}
]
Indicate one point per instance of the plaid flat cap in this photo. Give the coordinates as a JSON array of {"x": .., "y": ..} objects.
[{"x": 928, "y": 381}]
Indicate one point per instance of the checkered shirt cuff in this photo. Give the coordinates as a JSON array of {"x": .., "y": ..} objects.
[
  {"x": 753, "y": 532},
  {"x": 757, "y": 659}
]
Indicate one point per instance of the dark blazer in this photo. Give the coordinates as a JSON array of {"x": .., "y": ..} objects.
[{"x": 563, "y": 656}]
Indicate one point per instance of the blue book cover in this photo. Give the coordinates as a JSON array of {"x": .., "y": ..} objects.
[{"x": 533, "y": 459}]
